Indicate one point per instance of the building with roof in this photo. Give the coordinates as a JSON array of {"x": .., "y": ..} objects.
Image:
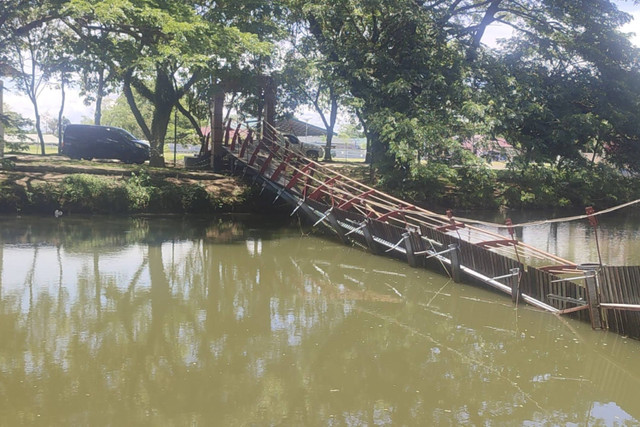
[
  {"x": 493, "y": 149},
  {"x": 299, "y": 128}
]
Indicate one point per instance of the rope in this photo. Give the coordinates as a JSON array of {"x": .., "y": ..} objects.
[
  {"x": 437, "y": 218},
  {"x": 552, "y": 221}
]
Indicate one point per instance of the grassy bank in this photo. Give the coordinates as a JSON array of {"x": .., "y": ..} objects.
[
  {"x": 34, "y": 184},
  {"x": 531, "y": 187},
  {"x": 37, "y": 184}
]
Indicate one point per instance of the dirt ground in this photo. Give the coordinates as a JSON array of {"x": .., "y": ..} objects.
[{"x": 31, "y": 169}]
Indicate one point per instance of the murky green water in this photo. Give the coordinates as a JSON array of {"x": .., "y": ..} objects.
[
  {"x": 618, "y": 235},
  {"x": 190, "y": 322}
]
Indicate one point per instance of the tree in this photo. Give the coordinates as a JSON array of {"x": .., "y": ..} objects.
[
  {"x": 415, "y": 65},
  {"x": 308, "y": 79},
  {"x": 399, "y": 61},
  {"x": 18, "y": 18},
  {"x": 170, "y": 44},
  {"x": 29, "y": 56},
  {"x": 97, "y": 79},
  {"x": 16, "y": 126},
  {"x": 578, "y": 92}
]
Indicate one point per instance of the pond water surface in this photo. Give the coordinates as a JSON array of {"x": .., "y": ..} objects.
[{"x": 238, "y": 321}]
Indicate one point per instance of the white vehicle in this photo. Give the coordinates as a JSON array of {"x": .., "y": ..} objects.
[{"x": 312, "y": 151}]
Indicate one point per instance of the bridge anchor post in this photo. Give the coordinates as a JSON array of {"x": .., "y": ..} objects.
[
  {"x": 368, "y": 237},
  {"x": 337, "y": 228},
  {"x": 408, "y": 246},
  {"x": 514, "y": 281},
  {"x": 456, "y": 271},
  {"x": 593, "y": 297}
]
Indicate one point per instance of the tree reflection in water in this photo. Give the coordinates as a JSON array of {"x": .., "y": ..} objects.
[{"x": 165, "y": 321}]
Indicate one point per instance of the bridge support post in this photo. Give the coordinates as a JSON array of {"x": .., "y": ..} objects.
[
  {"x": 593, "y": 298},
  {"x": 336, "y": 226},
  {"x": 408, "y": 246},
  {"x": 456, "y": 272},
  {"x": 301, "y": 205},
  {"x": 368, "y": 237},
  {"x": 514, "y": 281}
]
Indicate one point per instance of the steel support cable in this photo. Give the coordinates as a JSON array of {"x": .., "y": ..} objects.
[{"x": 556, "y": 220}]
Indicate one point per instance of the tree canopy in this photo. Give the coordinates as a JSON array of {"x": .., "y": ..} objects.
[{"x": 417, "y": 73}]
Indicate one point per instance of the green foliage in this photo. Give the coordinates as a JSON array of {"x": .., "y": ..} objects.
[
  {"x": 91, "y": 194},
  {"x": 568, "y": 82},
  {"x": 422, "y": 183},
  {"x": 161, "y": 49},
  {"x": 139, "y": 191},
  {"x": 7, "y": 164},
  {"x": 475, "y": 187},
  {"x": 15, "y": 125},
  {"x": 537, "y": 186}
]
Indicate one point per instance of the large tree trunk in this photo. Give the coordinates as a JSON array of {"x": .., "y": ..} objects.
[
  {"x": 165, "y": 98},
  {"x": 333, "y": 116},
  {"x": 97, "y": 117},
  {"x": 61, "y": 112},
  {"x": 36, "y": 111},
  {"x": 1, "y": 124},
  {"x": 367, "y": 134}
]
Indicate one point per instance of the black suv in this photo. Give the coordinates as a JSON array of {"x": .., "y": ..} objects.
[{"x": 103, "y": 142}]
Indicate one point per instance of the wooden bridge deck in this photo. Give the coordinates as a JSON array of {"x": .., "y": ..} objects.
[{"x": 609, "y": 297}]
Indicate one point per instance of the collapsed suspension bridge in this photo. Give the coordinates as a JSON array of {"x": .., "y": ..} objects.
[{"x": 607, "y": 296}]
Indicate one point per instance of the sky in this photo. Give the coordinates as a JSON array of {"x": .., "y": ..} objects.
[{"x": 76, "y": 110}]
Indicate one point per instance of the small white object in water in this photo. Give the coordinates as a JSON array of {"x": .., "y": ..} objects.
[{"x": 57, "y": 213}]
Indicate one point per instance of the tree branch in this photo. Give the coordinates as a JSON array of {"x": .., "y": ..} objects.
[
  {"x": 191, "y": 119},
  {"x": 140, "y": 86},
  {"x": 128, "y": 93}
]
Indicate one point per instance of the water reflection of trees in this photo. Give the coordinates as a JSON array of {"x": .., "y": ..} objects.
[{"x": 275, "y": 331}]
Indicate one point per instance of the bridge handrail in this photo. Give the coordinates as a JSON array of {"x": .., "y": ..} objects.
[{"x": 379, "y": 200}]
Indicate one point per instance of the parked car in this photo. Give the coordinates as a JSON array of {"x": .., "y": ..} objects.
[
  {"x": 314, "y": 152},
  {"x": 103, "y": 142}
]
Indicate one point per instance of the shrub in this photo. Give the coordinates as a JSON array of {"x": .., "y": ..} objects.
[
  {"x": 139, "y": 191},
  {"x": 572, "y": 186},
  {"x": 476, "y": 187},
  {"x": 92, "y": 194}
]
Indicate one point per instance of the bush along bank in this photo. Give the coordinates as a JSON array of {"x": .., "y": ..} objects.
[
  {"x": 526, "y": 187},
  {"x": 138, "y": 193}
]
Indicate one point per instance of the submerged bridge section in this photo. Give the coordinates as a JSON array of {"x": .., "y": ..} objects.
[{"x": 608, "y": 297}]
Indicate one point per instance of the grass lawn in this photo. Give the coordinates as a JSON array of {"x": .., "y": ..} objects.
[{"x": 50, "y": 149}]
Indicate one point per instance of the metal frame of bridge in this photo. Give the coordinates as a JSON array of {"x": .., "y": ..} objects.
[{"x": 383, "y": 224}]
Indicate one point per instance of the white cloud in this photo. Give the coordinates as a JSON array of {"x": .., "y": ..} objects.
[
  {"x": 633, "y": 27},
  {"x": 495, "y": 32},
  {"x": 48, "y": 103}
]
